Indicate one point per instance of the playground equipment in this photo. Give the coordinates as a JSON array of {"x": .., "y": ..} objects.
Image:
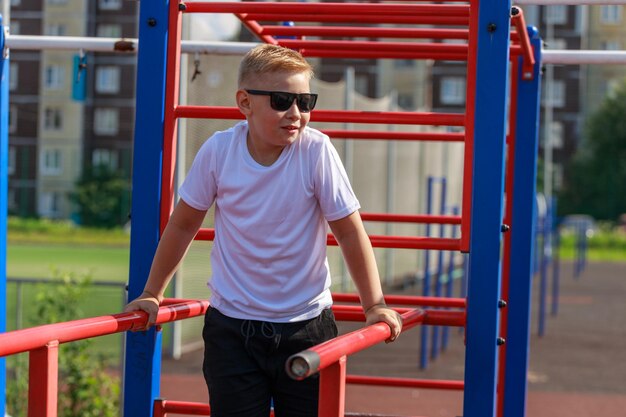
[
  {"x": 495, "y": 372},
  {"x": 487, "y": 52}
]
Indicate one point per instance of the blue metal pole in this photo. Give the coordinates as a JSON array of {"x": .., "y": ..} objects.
[
  {"x": 543, "y": 273},
  {"x": 450, "y": 282},
  {"x": 426, "y": 282},
  {"x": 556, "y": 259},
  {"x": 491, "y": 24},
  {"x": 4, "y": 174},
  {"x": 434, "y": 351},
  {"x": 143, "y": 349},
  {"x": 522, "y": 237}
]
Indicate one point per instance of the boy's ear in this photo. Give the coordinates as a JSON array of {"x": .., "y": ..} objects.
[{"x": 243, "y": 102}]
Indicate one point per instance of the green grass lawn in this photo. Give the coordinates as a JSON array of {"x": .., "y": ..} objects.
[{"x": 102, "y": 263}]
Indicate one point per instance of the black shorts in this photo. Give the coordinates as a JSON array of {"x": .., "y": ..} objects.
[{"x": 244, "y": 365}]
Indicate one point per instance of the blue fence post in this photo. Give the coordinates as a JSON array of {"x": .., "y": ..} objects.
[
  {"x": 556, "y": 259},
  {"x": 491, "y": 24},
  {"x": 434, "y": 351},
  {"x": 143, "y": 349},
  {"x": 522, "y": 238},
  {"x": 426, "y": 282},
  {"x": 544, "y": 260},
  {"x": 4, "y": 174},
  {"x": 450, "y": 282}
]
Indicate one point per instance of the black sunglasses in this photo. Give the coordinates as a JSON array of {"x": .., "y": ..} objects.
[{"x": 282, "y": 101}]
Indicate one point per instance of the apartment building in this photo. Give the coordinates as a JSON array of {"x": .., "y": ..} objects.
[
  {"x": 69, "y": 109},
  {"x": 606, "y": 31}
]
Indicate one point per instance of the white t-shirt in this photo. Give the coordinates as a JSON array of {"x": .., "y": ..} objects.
[{"x": 269, "y": 255}]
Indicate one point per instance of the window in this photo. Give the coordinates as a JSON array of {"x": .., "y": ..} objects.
[
  {"x": 452, "y": 90},
  {"x": 555, "y": 94},
  {"x": 404, "y": 63},
  {"x": 612, "y": 45},
  {"x": 55, "y": 30},
  {"x": 13, "y": 76},
  {"x": 53, "y": 118},
  {"x": 54, "y": 77},
  {"x": 105, "y": 157},
  {"x": 14, "y": 27},
  {"x": 406, "y": 101},
  {"x": 611, "y": 14},
  {"x": 558, "y": 43},
  {"x": 12, "y": 118},
  {"x": 556, "y": 135},
  {"x": 16, "y": 3},
  {"x": 109, "y": 31},
  {"x": 57, "y": 1},
  {"x": 51, "y": 162},
  {"x": 106, "y": 122},
  {"x": 108, "y": 79},
  {"x": 110, "y": 4},
  {"x": 49, "y": 204},
  {"x": 556, "y": 14},
  {"x": 11, "y": 166}
]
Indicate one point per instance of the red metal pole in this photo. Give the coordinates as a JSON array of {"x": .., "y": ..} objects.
[
  {"x": 397, "y": 242},
  {"x": 375, "y": 46},
  {"x": 405, "y": 382},
  {"x": 284, "y": 10},
  {"x": 386, "y": 135},
  {"x": 317, "y": 358},
  {"x": 407, "y": 300},
  {"x": 470, "y": 114},
  {"x": 335, "y": 116},
  {"x": 517, "y": 19},
  {"x": 388, "y": 54},
  {"x": 43, "y": 374},
  {"x": 365, "y": 32},
  {"x": 332, "y": 397},
  {"x": 37, "y": 337},
  {"x": 506, "y": 252},
  {"x": 365, "y": 19},
  {"x": 170, "y": 122},
  {"x": 182, "y": 407},
  {"x": 410, "y": 218}
]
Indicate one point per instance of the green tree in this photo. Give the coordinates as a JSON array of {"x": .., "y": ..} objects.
[
  {"x": 102, "y": 196},
  {"x": 86, "y": 389},
  {"x": 597, "y": 174}
]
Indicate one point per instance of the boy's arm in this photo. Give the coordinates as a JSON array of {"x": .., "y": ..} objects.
[
  {"x": 359, "y": 256},
  {"x": 175, "y": 241}
]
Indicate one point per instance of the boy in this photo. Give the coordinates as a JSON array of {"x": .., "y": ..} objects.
[{"x": 275, "y": 183}]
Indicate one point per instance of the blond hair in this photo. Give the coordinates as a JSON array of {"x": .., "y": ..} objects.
[{"x": 267, "y": 58}]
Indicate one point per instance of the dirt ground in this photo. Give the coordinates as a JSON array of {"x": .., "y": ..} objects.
[{"x": 577, "y": 369}]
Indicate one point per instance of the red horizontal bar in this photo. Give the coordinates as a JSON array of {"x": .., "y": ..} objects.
[
  {"x": 432, "y": 318},
  {"x": 407, "y": 300},
  {"x": 36, "y": 337},
  {"x": 397, "y": 242},
  {"x": 184, "y": 407},
  {"x": 386, "y": 135},
  {"x": 365, "y": 32},
  {"x": 410, "y": 218},
  {"x": 335, "y": 116},
  {"x": 408, "y": 242},
  {"x": 329, "y": 352},
  {"x": 405, "y": 382},
  {"x": 346, "y": 46},
  {"x": 362, "y": 19},
  {"x": 284, "y": 10},
  {"x": 360, "y": 54}
]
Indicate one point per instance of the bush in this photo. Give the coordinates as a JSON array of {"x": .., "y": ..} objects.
[{"x": 85, "y": 387}]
